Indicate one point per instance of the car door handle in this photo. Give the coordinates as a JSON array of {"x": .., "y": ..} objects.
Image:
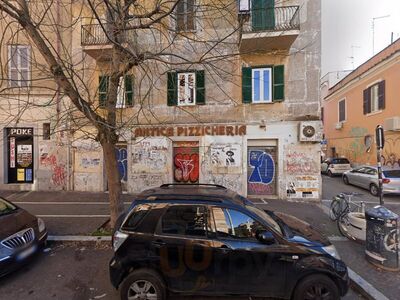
[
  {"x": 158, "y": 243},
  {"x": 225, "y": 248}
]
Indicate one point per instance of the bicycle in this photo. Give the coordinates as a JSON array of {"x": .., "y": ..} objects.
[{"x": 340, "y": 203}]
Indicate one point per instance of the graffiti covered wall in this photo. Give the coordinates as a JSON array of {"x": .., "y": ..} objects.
[
  {"x": 52, "y": 171},
  {"x": 88, "y": 164}
]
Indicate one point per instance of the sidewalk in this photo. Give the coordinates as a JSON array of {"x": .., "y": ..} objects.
[{"x": 74, "y": 206}]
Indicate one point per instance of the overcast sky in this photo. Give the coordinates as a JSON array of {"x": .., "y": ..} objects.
[{"x": 347, "y": 23}]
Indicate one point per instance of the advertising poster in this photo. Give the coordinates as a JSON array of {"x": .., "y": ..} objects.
[
  {"x": 28, "y": 174},
  {"x": 21, "y": 174},
  {"x": 12, "y": 152},
  {"x": 24, "y": 155}
]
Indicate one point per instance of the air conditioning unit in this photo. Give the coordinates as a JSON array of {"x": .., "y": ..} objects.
[
  {"x": 339, "y": 125},
  {"x": 310, "y": 131},
  {"x": 392, "y": 124}
]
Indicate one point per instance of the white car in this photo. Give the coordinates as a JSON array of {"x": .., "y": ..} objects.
[{"x": 335, "y": 166}]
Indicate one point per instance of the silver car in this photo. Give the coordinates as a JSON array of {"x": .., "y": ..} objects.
[{"x": 367, "y": 177}]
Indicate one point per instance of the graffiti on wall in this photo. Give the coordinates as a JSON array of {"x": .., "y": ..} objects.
[
  {"x": 150, "y": 156},
  {"x": 50, "y": 157},
  {"x": 186, "y": 164},
  {"x": 300, "y": 162},
  {"x": 391, "y": 152},
  {"x": 261, "y": 170},
  {"x": 147, "y": 180}
]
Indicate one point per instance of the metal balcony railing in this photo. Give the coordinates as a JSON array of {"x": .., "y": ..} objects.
[
  {"x": 94, "y": 34},
  {"x": 273, "y": 19}
]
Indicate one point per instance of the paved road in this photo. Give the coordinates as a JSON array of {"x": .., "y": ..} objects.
[{"x": 335, "y": 185}]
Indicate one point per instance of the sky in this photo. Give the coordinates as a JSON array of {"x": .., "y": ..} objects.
[{"x": 347, "y": 23}]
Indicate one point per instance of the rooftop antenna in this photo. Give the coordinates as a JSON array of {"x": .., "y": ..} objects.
[
  {"x": 352, "y": 54},
  {"x": 373, "y": 31}
]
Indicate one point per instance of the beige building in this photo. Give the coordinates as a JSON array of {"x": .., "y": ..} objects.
[{"x": 247, "y": 118}]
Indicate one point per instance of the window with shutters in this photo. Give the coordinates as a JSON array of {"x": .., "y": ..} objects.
[
  {"x": 124, "y": 91},
  {"x": 374, "y": 98},
  {"x": 19, "y": 65},
  {"x": 342, "y": 110},
  {"x": 185, "y": 15},
  {"x": 263, "y": 84},
  {"x": 186, "y": 88}
]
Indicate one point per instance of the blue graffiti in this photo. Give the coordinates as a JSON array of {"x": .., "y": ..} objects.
[
  {"x": 264, "y": 167},
  {"x": 122, "y": 158}
]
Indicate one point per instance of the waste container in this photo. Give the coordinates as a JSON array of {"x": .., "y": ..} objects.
[{"x": 381, "y": 244}]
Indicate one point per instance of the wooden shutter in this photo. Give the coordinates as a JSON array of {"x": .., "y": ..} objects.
[
  {"x": 200, "y": 88},
  {"x": 172, "y": 93},
  {"x": 128, "y": 90},
  {"x": 103, "y": 90},
  {"x": 279, "y": 83},
  {"x": 247, "y": 89},
  {"x": 342, "y": 110},
  {"x": 367, "y": 101},
  {"x": 262, "y": 14},
  {"x": 381, "y": 95}
]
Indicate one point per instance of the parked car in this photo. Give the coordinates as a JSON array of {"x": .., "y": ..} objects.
[
  {"x": 21, "y": 236},
  {"x": 367, "y": 177},
  {"x": 335, "y": 166},
  {"x": 208, "y": 240}
]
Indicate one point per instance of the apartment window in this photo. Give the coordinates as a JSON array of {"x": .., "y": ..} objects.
[
  {"x": 263, "y": 84},
  {"x": 46, "y": 131},
  {"x": 374, "y": 98},
  {"x": 124, "y": 91},
  {"x": 185, "y": 15},
  {"x": 19, "y": 65},
  {"x": 186, "y": 88},
  {"x": 342, "y": 110}
]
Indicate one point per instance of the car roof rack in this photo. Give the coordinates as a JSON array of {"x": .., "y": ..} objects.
[
  {"x": 166, "y": 185},
  {"x": 177, "y": 197}
]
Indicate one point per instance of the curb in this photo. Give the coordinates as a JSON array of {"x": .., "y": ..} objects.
[
  {"x": 357, "y": 282},
  {"x": 78, "y": 238}
]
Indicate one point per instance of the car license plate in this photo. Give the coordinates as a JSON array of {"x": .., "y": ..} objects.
[{"x": 27, "y": 252}]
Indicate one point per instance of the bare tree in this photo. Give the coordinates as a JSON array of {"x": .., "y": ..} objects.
[{"x": 145, "y": 39}]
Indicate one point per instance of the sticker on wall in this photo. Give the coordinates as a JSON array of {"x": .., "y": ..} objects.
[
  {"x": 226, "y": 155},
  {"x": 24, "y": 155},
  {"x": 302, "y": 187},
  {"x": 28, "y": 174},
  {"x": 21, "y": 174},
  {"x": 12, "y": 152}
]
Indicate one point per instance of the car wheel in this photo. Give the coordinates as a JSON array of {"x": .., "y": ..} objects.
[
  {"x": 143, "y": 284},
  {"x": 374, "y": 190},
  {"x": 316, "y": 287},
  {"x": 345, "y": 180},
  {"x": 330, "y": 174}
]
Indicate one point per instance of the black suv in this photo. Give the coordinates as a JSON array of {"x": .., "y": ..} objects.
[{"x": 208, "y": 240}]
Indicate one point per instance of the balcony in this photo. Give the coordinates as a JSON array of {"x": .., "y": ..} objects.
[
  {"x": 97, "y": 44},
  {"x": 269, "y": 29}
]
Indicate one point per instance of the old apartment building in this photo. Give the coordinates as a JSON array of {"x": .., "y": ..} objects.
[
  {"x": 244, "y": 114},
  {"x": 365, "y": 98}
]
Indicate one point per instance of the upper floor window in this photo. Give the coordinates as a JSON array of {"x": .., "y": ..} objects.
[
  {"x": 186, "y": 88},
  {"x": 124, "y": 91},
  {"x": 374, "y": 98},
  {"x": 263, "y": 84},
  {"x": 19, "y": 65},
  {"x": 342, "y": 110},
  {"x": 185, "y": 15}
]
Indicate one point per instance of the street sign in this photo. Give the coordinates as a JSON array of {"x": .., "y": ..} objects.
[{"x": 380, "y": 138}]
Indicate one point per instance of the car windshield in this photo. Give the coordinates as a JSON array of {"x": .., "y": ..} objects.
[
  {"x": 267, "y": 218},
  {"x": 392, "y": 173},
  {"x": 340, "y": 161},
  {"x": 6, "y": 207}
]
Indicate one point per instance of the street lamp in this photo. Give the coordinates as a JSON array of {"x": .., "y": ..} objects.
[{"x": 373, "y": 31}]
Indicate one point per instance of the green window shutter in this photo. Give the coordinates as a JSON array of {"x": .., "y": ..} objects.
[
  {"x": 247, "y": 89},
  {"x": 200, "y": 88},
  {"x": 103, "y": 90},
  {"x": 172, "y": 93},
  {"x": 263, "y": 14},
  {"x": 129, "y": 90},
  {"x": 279, "y": 83}
]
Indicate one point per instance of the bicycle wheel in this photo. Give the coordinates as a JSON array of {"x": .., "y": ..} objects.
[
  {"x": 343, "y": 224},
  {"x": 334, "y": 210}
]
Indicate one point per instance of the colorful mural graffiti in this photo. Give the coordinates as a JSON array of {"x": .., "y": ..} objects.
[
  {"x": 49, "y": 159},
  {"x": 391, "y": 152},
  {"x": 261, "y": 170},
  {"x": 186, "y": 163},
  {"x": 121, "y": 153}
]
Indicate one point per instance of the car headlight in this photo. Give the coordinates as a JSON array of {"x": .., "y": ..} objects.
[
  {"x": 41, "y": 225},
  {"x": 118, "y": 239},
  {"x": 331, "y": 250}
]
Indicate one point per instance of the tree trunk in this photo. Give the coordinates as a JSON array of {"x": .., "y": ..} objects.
[{"x": 114, "y": 183}]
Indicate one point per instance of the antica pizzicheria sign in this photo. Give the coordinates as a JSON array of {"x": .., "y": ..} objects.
[{"x": 198, "y": 130}]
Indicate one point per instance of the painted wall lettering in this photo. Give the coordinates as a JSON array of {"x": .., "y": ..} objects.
[{"x": 228, "y": 130}]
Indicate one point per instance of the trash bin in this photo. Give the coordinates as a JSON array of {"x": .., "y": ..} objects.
[{"x": 381, "y": 244}]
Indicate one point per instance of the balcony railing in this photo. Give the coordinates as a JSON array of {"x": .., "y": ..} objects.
[
  {"x": 273, "y": 19},
  {"x": 93, "y": 34}
]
